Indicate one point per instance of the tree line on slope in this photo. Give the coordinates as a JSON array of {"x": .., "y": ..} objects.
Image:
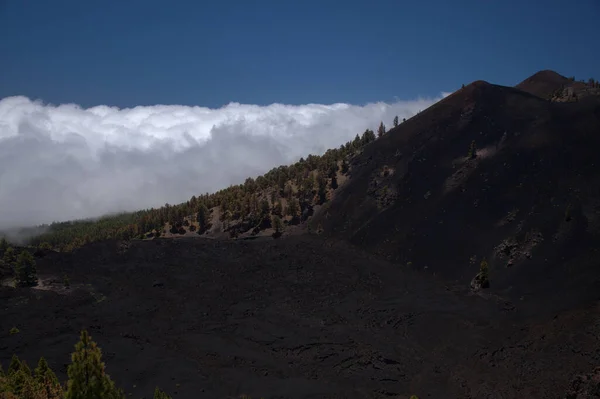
[{"x": 280, "y": 196}]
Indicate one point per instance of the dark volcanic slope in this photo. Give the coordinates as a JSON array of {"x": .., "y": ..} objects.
[
  {"x": 529, "y": 202},
  {"x": 293, "y": 318},
  {"x": 543, "y": 84}
]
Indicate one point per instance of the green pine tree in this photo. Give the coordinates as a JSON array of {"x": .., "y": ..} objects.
[
  {"x": 381, "y": 130},
  {"x": 160, "y": 394},
  {"x": 203, "y": 217},
  {"x": 47, "y": 381},
  {"x": 14, "y": 366},
  {"x": 293, "y": 207},
  {"x": 345, "y": 166},
  {"x": 19, "y": 375},
  {"x": 87, "y": 377},
  {"x": 25, "y": 270},
  {"x": 396, "y": 121},
  {"x": 472, "y": 150},
  {"x": 277, "y": 224},
  {"x": 10, "y": 256}
]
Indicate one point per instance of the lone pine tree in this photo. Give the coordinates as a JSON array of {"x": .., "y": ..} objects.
[
  {"x": 472, "y": 150},
  {"x": 381, "y": 130},
  {"x": 160, "y": 394},
  {"x": 87, "y": 377},
  {"x": 25, "y": 270}
]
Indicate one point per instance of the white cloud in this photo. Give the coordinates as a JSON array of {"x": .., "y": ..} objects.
[{"x": 65, "y": 162}]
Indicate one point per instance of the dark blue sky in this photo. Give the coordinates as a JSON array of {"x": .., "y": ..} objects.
[{"x": 143, "y": 52}]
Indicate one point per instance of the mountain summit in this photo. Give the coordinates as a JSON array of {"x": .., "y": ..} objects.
[{"x": 490, "y": 172}]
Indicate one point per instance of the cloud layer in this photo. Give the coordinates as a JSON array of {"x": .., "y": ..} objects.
[{"x": 64, "y": 162}]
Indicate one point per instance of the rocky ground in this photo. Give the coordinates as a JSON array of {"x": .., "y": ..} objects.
[{"x": 298, "y": 317}]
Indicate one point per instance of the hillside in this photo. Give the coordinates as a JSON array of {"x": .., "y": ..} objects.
[
  {"x": 528, "y": 201},
  {"x": 452, "y": 256},
  {"x": 273, "y": 203}
]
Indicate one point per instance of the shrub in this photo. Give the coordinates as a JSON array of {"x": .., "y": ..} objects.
[{"x": 14, "y": 331}]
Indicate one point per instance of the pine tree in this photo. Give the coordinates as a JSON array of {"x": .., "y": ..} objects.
[
  {"x": 19, "y": 374},
  {"x": 356, "y": 142},
  {"x": 396, "y": 121},
  {"x": 278, "y": 209},
  {"x": 367, "y": 137},
  {"x": 334, "y": 183},
  {"x": 322, "y": 189},
  {"x": 203, "y": 217},
  {"x": 14, "y": 366},
  {"x": 26, "y": 274},
  {"x": 3, "y": 244},
  {"x": 10, "y": 256},
  {"x": 345, "y": 166},
  {"x": 293, "y": 208},
  {"x": 47, "y": 381},
  {"x": 87, "y": 378},
  {"x": 381, "y": 130},
  {"x": 484, "y": 274},
  {"x": 277, "y": 224},
  {"x": 160, "y": 394},
  {"x": 264, "y": 207},
  {"x": 472, "y": 150},
  {"x": 45, "y": 246}
]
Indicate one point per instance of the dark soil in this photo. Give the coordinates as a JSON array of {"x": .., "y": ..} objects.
[{"x": 296, "y": 317}]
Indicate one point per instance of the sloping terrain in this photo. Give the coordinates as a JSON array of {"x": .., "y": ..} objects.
[
  {"x": 529, "y": 202},
  {"x": 299, "y": 317}
]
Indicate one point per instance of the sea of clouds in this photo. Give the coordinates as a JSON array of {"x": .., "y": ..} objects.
[{"x": 66, "y": 162}]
